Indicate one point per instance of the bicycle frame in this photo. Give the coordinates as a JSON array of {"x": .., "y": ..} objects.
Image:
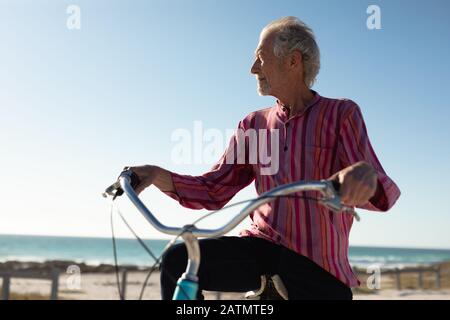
[{"x": 187, "y": 285}]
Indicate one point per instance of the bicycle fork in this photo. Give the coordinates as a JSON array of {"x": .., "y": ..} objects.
[{"x": 187, "y": 285}]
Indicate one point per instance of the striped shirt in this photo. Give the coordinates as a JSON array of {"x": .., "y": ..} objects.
[{"x": 329, "y": 135}]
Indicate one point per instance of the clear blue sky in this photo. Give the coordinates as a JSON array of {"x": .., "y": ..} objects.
[{"x": 78, "y": 105}]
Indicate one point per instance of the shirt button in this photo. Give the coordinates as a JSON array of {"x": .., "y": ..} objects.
[
  {"x": 287, "y": 125},
  {"x": 285, "y": 148}
]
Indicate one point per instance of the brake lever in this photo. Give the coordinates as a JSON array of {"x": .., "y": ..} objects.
[
  {"x": 115, "y": 190},
  {"x": 332, "y": 199}
]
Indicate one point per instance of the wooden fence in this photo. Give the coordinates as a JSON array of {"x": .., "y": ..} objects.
[
  {"x": 419, "y": 271},
  {"x": 52, "y": 276}
]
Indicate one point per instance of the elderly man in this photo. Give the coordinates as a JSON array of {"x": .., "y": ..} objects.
[{"x": 319, "y": 138}]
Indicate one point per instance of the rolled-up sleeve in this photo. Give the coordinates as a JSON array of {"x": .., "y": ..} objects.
[
  {"x": 354, "y": 146},
  {"x": 213, "y": 189}
]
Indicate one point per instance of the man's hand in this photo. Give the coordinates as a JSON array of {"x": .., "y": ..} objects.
[
  {"x": 149, "y": 175},
  {"x": 358, "y": 183}
]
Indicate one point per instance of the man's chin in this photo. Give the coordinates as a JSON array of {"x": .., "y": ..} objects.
[{"x": 262, "y": 92}]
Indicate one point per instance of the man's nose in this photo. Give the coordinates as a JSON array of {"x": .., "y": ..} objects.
[{"x": 255, "y": 67}]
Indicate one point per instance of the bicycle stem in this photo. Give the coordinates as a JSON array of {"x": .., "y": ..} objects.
[{"x": 193, "y": 250}]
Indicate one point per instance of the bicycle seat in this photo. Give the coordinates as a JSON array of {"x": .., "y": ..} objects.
[{"x": 272, "y": 288}]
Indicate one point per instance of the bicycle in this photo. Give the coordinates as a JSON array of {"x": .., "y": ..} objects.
[{"x": 187, "y": 284}]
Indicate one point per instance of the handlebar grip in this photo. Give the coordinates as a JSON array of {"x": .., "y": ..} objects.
[
  {"x": 336, "y": 185},
  {"x": 134, "y": 179}
]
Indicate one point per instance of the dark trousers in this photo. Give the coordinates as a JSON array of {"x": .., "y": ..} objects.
[{"x": 235, "y": 264}]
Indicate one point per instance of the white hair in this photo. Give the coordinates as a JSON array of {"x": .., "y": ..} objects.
[{"x": 293, "y": 34}]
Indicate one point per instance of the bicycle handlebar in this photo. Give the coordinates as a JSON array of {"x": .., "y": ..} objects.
[{"x": 325, "y": 187}]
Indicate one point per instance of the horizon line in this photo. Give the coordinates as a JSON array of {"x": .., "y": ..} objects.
[{"x": 170, "y": 238}]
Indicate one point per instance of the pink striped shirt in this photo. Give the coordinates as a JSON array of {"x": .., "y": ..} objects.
[{"x": 328, "y": 136}]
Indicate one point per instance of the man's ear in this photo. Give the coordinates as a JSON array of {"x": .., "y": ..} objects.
[{"x": 296, "y": 59}]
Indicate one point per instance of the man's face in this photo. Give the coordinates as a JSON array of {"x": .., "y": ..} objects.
[{"x": 267, "y": 68}]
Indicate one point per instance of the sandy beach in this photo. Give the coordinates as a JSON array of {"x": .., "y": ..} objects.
[{"x": 96, "y": 285}]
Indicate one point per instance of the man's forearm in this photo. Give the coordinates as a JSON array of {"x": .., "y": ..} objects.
[{"x": 163, "y": 180}]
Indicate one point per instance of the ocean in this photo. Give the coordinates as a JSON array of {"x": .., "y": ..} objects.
[{"x": 96, "y": 251}]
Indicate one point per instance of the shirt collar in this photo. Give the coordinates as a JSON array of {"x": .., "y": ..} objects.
[{"x": 282, "y": 110}]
